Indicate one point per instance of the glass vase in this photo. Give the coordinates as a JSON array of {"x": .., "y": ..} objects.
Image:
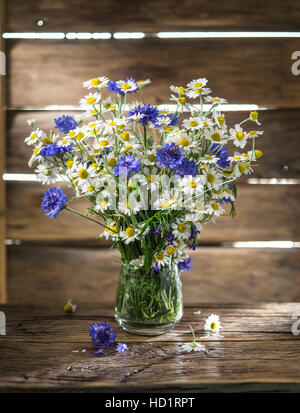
[{"x": 149, "y": 304}]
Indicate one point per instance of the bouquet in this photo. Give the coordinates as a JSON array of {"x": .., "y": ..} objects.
[{"x": 153, "y": 176}]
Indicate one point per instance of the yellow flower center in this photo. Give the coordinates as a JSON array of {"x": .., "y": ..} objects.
[
  {"x": 229, "y": 191},
  {"x": 121, "y": 126},
  {"x": 103, "y": 143},
  {"x": 181, "y": 228},
  {"x": 103, "y": 203},
  {"x": 79, "y": 136},
  {"x": 112, "y": 123},
  {"x": 182, "y": 100},
  {"x": 168, "y": 128},
  {"x": 252, "y": 132},
  {"x": 213, "y": 325},
  {"x": 33, "y": 137},
  {"x": 193, "y": 123},
  {"x": 215, "y": 100},
  {"x": 149, "y": 178},
  {"x": 126, "y": 86},
  {"x": 192, "y": 184},
  {"x": 211, "y": 178},
  {"x": 242, "y": 168},
  {"x": 239, "y": 136},
  {"x": 95, "y": 82},
  {"x": 151, "y": 157},
  {"x": 258, "y": 154},
  {"x": 181, "y": 90},
  {"x": 128, "y": 147},
  {"x": 112, "y": 162},
  {"x": 216, "y": 137},
  {"x": 253, "y": 116},
  {"x": 184, "y": 142},
  {"x": 160, "y": 256},
  {"x": 69, "y": 164},
  {"x": 90, "y": 188},
  {"x": 91, "y": 100},
  {"x": 170, "y": 250},
  {"x": 125, "y": 136},
  {"x": 130, "y": 232},
  {"x": 83, "y": 173},
  {"x": 221, "y": 120},
  {"x": 215, "y": 207},
  {"x": 36, "y": 150},
  {"x": 197, "y": 85},
  {"x": 71, "y": 133}
]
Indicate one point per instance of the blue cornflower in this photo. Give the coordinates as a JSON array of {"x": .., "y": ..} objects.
[
  {"x": 170, "y": 238},
  {"x": 156, "y": 268},
  {"x": 150, "y": 113},
  {"x": 65, "y": 123},
  {"x": 119, "y": 86},
  {"x": 53, "y": 201},
  {"x": 169, "y": 156},
  {"x": 187, "y": 167},
  {"x": 121, "y": 347},
  {"x": 222, "y": 153},
  {"x": 126, "y": 165},
  {"x": 184, "y": 265},
  {"x": 102, "y": 334},
  {"x": 52, "y": 149}
]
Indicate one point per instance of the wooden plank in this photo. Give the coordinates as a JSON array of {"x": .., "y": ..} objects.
[
  {"x": 226, "y": 365},
  {"x": 279, "y": 126},
  {"x": 264, "y": 212},
  {"x": 254, "y": 71},
  {"x": 2, "y": 170},
  {"x": 53, "y": 274},
  {"x": 149, "y": 15}
]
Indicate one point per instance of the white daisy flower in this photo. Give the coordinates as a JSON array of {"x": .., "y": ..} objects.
[
  {"x": 215, "y": 208},
  {"x": 161, "y": 259},
  {"x": 35, "y": 137},
  {"x": 90, "y": 100},
  {"x": 181, "y": 230},
  {"x": 127, "y": 86},
  {"x": 239, "y": 136},
  {"x": 254, "y": 117},
  {"x": 212, "y": 100},
  {"x": 111, "y": 231},
  {"x": 129, "y": 235},
  {"x": 197, "y": 83},
  {"x": 47, "y": 174},
  {"x": 188, "y": 347},
  {"x": 213, "y": 324},
  {"x": 255, "y": 133},
  {"x": 178, "y": 89},
  {"x": 98, "y": 82},
  {"x": 139, "y": 262},
  {"x": 193, "y": 123},
  {"x": 181, "y": 102},
  {"x": 215, "y": 135}
]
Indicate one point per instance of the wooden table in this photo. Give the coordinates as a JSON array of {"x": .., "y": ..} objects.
[{"x": 47, "y": 350}]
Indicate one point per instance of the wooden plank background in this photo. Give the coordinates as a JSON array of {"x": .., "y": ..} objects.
[
  {"x": 3, "y": 292},
  {"x": 251, "y": 71},
  {"x": 240, "y": 70},
  {"x": 152, "y": 15}
]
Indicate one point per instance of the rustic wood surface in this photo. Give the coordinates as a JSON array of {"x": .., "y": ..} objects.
[
  {"x": 42, "y": 351},
  {"x": 279, "y": 126},
  {"x": 254, "y": 71},
  {"x": 2, "y": 170},
  {"x": 264, "y": 212},
  {"x": 152, "y": 15},
  {"x": 40, "y": 274}
]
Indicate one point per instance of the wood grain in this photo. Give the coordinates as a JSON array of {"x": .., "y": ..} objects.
[
  {"x": 264, "y": 212},
  {"x": 241, "y": 361},
  {"x": 254, "y": 71},
  {"x": 52, "y": 274},
  {"x": 280, "y": 142},
  {"x": 3, "y": 291},
  {"x": 149, "y": 15}
]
